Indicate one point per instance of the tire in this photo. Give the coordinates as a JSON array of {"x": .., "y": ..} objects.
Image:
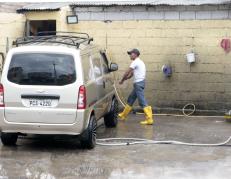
[
  {"x": 9, "y": 139},
  {"x": 88, "y": 137},
  {"x": 111, "y": 119}
]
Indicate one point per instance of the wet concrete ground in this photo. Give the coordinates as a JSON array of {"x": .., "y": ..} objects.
[{"x": 47, "y": 158}]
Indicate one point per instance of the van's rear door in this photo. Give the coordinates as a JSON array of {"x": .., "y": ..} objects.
[{"x": 41, "y": 88}]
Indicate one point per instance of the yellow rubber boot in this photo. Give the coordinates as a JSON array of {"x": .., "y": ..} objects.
[
  {"x": 148, "y": 114},
  {"x": 123, "y": 115}
]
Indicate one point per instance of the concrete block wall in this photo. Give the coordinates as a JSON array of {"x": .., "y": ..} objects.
[
  {"x": 164, "y": 41},
  {"x": 205, "y": 83},
  {"x": 165, "y": 34}
]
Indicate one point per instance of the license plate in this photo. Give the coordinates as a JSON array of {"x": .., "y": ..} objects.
[{"x": 40, "y": 103}]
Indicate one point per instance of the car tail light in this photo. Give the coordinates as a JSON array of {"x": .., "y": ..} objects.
[
  {"x": 82, "y": 100},
  {"x": 1, "y": 96}
]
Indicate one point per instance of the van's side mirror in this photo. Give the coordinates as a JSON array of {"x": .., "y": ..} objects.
[{"x": 113, "y": 67}]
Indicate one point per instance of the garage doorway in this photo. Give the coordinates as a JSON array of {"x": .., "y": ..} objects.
[{"x": 36, "y": 26}]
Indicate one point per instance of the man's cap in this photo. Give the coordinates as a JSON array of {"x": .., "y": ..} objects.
[{"x": 136, "y": 51}]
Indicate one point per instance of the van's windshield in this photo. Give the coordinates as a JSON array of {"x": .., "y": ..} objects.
[{"x": 42, "y": 69}]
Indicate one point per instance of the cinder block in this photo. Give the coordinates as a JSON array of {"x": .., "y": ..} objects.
[
  {"x": 179, "y": 33},
  {"x": 181, "y": 68},
  {"x": 212, "y": 59},
  {"x": 188, "y": 15},
  {"x": 227, "y": 78},
  {"x": 99, "y": 33},
  {"x": 208, "y": 96},
  {"x": 119, "y": 33},
  {"x": 95, "y": 9},
  {"x": 229, "y": 14},
  {"x": 156, "y": 15},
  {"x": 207, "y": 42},
  {"x": 144, "y": 25},
  {"x": 227, "y": 69},
  {"x": 211, "y": 77},
  {"x": 99, "y": 16},
  {"x": 141, "y": 15},
  {"x": 135, "y": 33},
  {"x": 125, "y": 16},
  {"x": 208, "y": 68},
  {"x": 83, "y": 16},
  {"x": 209, "y": 32},
  {"x": 203, "y": 15},
  {"x": 114, "y": 25},
  {"x": 215, "y": 24},
  {"x": 171, "y": 15},
  {"x": 154, "y": 33},
  {"x": 160, "y": 24},
  {"x": 189, "y": 96},
  {"x": 187, "y": 24},
  {"x": 216, "y": 87},
  {"x": 154, "y": 67},
  {"x": 220, "y": 14},
  {"x": 186, "y": 77},
  {"x": 187, "y": 86},
  {"x": 111, "y": 16},
  {"x": 227, "y": 88},
  {"x": 81, "y": 9},
  {"x": 130, "y": 24}
]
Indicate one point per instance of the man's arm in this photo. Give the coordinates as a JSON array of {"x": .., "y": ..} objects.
[
  {"x": 127, "y": 75},
  {"x": 130, "y": 75}
]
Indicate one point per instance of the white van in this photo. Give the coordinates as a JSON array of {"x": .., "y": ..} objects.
[{"x": 56, "y": 84}]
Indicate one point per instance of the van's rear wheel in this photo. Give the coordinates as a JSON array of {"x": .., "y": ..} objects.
[
  {"x": 88, "y": 137},
  {"x": 9, "y": 139},
  {"x": 111, "y": 119}
]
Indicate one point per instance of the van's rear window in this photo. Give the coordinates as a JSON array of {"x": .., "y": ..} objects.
[{"x": 42, "y": 69}]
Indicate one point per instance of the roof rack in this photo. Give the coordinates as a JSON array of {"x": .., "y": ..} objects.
[{"x": 58, "y": 37}]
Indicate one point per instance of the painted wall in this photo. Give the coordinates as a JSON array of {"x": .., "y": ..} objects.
[
  {"x": 11, "y": 27},
  {"x": 165, "y": 41}
]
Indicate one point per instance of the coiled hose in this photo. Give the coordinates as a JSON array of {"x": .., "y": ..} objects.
[{"x": 134, "y": 141}]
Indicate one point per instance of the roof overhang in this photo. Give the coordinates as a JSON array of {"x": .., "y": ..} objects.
[{"x": 42, "y": 7}]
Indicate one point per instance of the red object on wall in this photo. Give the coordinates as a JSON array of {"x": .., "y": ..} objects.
[{"x": 225, "y": 44}]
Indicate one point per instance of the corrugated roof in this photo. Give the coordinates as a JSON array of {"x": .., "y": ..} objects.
[
  {"x": 147, "y": 2},
  {"x": 42, "y": 7},
  {"x": 55, "y": 6}
]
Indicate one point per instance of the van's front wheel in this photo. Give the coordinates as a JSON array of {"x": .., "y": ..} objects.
[
  {"x": 111, "y": 119},
  {"x": 88, "y": 137},
  {"x": 9, "y": 139}
]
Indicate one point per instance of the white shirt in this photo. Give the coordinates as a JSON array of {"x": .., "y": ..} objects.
[{"x": 139, "y": 69}]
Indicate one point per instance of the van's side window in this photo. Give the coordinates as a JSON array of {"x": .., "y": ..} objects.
[
  {"x": 87, "y": 72},
  {"x": 96, "y": 65},
  {"x": 104, "y": 62}
]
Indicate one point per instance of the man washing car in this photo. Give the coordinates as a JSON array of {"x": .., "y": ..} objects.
[{"x": 137, "y": 70}]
